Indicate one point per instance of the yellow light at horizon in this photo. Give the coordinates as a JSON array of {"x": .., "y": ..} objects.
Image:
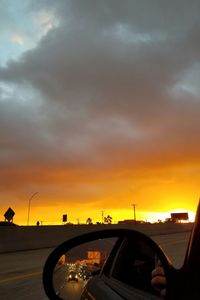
[
  {"x": 155, "y": 216},
  {"x": 52, "y": 215}
]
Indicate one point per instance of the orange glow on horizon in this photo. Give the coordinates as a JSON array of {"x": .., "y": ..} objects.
[
  {"x": 156, "y": 195},
  {"x": 96, "y": 216}
]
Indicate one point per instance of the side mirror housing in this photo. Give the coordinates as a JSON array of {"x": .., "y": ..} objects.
[{"x": 128, "y": 256}]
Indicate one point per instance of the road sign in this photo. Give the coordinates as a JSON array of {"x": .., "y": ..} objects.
[
  {"x": 179, "y": 216},
  {"x": 64, "y": 218},
  {"x": 9, "y": 214}
]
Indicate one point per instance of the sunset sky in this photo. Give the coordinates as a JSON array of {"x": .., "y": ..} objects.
[{"x": 99, "y": 109}]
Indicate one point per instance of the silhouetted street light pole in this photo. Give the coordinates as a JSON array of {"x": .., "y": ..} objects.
[
  {"x": 102, "y": 216},
  {"x": 29, "y": 206},
  {"x": 134, "y": 205}
]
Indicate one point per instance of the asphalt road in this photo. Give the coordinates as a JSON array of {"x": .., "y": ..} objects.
[
  {"x": 21, "y": 272},
  {"x": 174, "y": 246},
  {"x": 21, "y": 275},
  {"x": 72, "y": 290}
]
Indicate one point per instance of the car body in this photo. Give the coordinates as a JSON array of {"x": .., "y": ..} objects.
[{"x": 125, "y": 274}]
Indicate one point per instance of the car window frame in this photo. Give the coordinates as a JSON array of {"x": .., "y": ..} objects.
[
  {"x": 127, "y": 291},
  {"x": 123, "y": 289}
]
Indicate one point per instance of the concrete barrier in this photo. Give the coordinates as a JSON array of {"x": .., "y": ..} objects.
[{"x": 17, "y": 238}]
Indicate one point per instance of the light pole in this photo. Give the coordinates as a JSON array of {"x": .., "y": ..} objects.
[
  {"x": 29, "y": 205},
  {"x": 102, "y": 216},
  {"x": 134, "y": 212}
]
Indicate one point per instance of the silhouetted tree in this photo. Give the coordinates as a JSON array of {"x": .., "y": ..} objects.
[
  {"x": 89, "y": 221},
  {"x": 108, "y": 219}
]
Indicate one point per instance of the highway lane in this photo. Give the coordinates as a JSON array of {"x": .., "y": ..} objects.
[
  {"x": 21, "y": 272},
  {"x": 21, "y": 275},
  {"x": 174, "y": 245},
  {"x": 72, "y": 290}
]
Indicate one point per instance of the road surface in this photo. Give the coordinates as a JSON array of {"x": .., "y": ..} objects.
[{"x": 21, "y": 272}]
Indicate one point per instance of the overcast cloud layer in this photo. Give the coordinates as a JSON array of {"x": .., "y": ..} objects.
[{"x": 109, "y": 88}]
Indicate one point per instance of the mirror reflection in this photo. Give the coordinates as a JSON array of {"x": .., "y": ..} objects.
[{"x": 77, "y": 266}]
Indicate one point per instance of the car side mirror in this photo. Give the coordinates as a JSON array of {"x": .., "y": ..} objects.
[{"x": 125, "y": 255}]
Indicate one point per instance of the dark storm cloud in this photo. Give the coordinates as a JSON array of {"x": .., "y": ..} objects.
[{"x": 104, "y": 88}]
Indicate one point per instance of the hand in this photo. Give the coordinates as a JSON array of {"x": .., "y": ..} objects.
[{"x": 158, "y": 280}]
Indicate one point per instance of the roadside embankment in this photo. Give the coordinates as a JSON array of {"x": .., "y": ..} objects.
[{"x": 18, "y": 238}]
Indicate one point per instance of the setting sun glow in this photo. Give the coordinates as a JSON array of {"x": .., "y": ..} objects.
[{"x": 99, "y": 110}]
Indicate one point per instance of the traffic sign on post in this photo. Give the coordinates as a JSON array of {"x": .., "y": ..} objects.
[
  {"x": 64, "y": 218},
  {"x": 9, "y": 214}
]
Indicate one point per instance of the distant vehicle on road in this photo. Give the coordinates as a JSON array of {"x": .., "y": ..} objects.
[
  {"x": 86, "y": 274},
  {"x": 73, "y": 276}
]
